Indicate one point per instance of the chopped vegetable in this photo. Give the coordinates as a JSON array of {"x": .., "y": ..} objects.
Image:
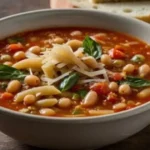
[
  {"x": 15, "y": 47},
  {"x": 69, "y": 82},
  {"x": 82, "y": 93},
  {"x": 6, "y": 96},
  {"x": 118, "y": 63},
  {"x": 10, "y": 73},
  {"x": 100, "y": 88},
  {"x": 76, "y": 96},
  {"x": 79, "y": 94},
  {"x": 116, "y": 54},
  {"x": 77, "y": 111},
  {"x": 112, "y": 97},
  {"x": 135, "y": 82},
  {"x": 138, "y": 59},
  {"x": 117, "y": 77},
  {"x": 92, "y": 48}
]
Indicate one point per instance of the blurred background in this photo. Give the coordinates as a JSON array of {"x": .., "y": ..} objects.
[{"x": 8, "y": 7}]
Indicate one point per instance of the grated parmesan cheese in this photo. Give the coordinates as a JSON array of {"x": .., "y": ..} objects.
[
  {"x": 90, "y": 74},
  {"x": 91, "y": 80},
  {"x": 51, "y": 81},
  {"x": 30, "y": 71}
]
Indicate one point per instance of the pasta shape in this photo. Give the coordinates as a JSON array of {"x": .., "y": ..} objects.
[
  {"x": 33, "y": 63},
  {"x": 42, "y": 90}
]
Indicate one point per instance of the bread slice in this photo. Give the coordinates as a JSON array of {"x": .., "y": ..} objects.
[
  {"x": 102, "y": 1},
  {"x": 140, "y": 10}
]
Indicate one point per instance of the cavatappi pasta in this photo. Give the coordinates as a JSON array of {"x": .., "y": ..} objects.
[{"x": 68, "y": 72}]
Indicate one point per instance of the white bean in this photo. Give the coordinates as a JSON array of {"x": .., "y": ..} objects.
[
  {"x": 90, "y": 61},
  {"x": 113, "y": 86},
  {"x": 129, "y": 68},
  {"x": 74, "y": 44},
  {"x": 47, "y": 112},
  {"x": 64, "y": 103},
  {"x": 144, "y": 93},
  {"x": 35, "y": 49},
  {"x": 119, "y": 106},
  {"x": 144, "y": 70},
  {"x": 58, "y": 40},
  {"x": 19, "y": 55},
  {"x": 32, "y": 80},
  {"x": 106, "y": 59},
  {"x": 14, "y": 86},
  {"x": 29, "y": 99},
  {"x": 90, "y": 99},
  {"x": 124, "y": 89},
  {"x": 76, "y": 33}
]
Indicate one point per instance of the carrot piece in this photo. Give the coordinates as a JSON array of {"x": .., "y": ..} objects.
[
  {"x": 116, "y": 54},
  {"x": 6, "y": 96},
  {"x": 15, "y": 47}
]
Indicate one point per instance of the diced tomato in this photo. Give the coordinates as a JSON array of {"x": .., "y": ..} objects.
[
  {"x": 120, "y": 48},
  {"x": 100, "y": 88},
  {"x": 6, "y": 96},
  {"x": 117, "y": 77},
  {"x": 116, "y": 54},
  {"x": 112, "y": 97},
  {"x": 15, "y": 47}
]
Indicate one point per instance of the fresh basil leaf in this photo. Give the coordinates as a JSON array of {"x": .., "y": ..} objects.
[
  {"x": 82, "y": 93},
  {"x": 69, "y": 82},
  {"x": 10, "y": 73},
  {"x": 92, "y": 48},
  {"x": 13, "y": 40},
  {"x": 136, "y": 82}
]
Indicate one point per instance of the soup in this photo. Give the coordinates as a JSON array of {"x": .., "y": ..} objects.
[{"x": 73, "y": 72}]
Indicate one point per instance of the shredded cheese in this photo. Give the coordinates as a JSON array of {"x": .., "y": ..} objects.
[
  {"x": 51, "y": 81},
  {"x": 91, "y": 80},
  {"x": 90, "y": 74},
  {"x": 30, "y": 71}
]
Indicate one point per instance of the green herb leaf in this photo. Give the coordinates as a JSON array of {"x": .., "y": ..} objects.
[
  {"x": 77, "y": 111},
  {"x": 75, "y": 96},
  {"x": 136, "y": 82},
  {"x": 92, "y": 48},
  {"x": 13, "y": 40},
  {"x": 10, "y": 73},
  {"x": 69, "y": 82},
  {"x": 82, "y": 93}
]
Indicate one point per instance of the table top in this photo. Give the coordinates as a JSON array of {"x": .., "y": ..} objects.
[{"x": 140, "y": 141}]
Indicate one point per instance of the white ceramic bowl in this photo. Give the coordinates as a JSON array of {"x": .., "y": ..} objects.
[{"x": 73, "y": 133}]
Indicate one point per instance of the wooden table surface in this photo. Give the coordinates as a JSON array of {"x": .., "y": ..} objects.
[{"x": 140, "y": 141}]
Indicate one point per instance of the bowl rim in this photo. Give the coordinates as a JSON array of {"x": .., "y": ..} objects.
[{"x": 91, "y": 119}]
